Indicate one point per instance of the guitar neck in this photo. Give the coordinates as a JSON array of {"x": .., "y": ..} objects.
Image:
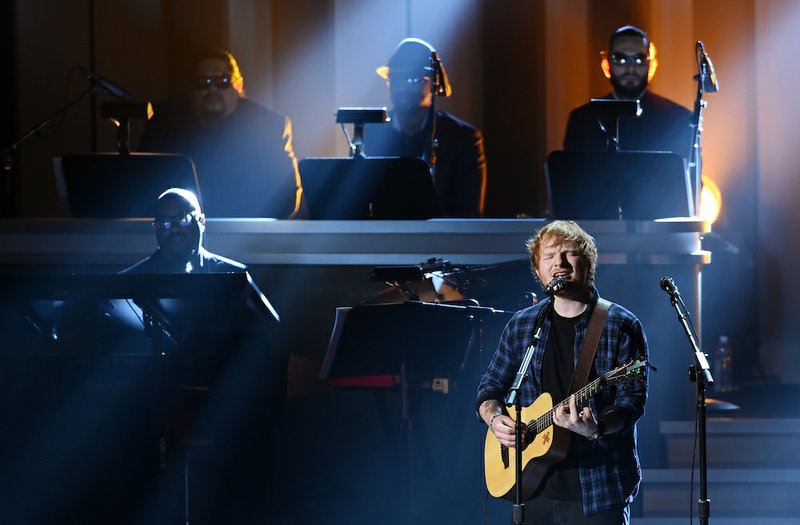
[{"x": 581, "y": 396}]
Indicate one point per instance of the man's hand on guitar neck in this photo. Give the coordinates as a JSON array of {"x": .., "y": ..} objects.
[
  {"x": 582, "y": 422},
  {"x": 501, "y": 425}
]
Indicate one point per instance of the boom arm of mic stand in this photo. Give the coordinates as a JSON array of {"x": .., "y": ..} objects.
[
  {"x": 6, "y": 154},
  {"x": 432, "y": 160},
  {"x": 700, "y": 357},
  {"x": 695, "y": 153},
  {"x": 91, "y": 91}
]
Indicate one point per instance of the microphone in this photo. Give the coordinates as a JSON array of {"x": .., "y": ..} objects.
[
  {"x": 440, "y": 80},
  {"x": 556, "y": 285},
  {"x": 109, "y": 86},
  {"x": 669, "y": 286},
  {"x": 710, "y": 84}
]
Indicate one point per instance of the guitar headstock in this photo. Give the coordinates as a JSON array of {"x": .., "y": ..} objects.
[{"x": 626, "y": 372}]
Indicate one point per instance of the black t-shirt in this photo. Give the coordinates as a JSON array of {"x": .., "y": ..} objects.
[{"x": 562, "y": 481}]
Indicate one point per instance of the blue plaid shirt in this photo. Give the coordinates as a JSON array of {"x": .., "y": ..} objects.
[{"x": 609, "y": 468}]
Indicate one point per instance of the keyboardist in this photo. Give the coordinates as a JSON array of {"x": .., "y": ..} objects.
[{"x": 179, "y": 226}]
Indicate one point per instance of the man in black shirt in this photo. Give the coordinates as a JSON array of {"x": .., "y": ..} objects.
[
  {"x": 662, "y": 126},
  {"x": 243, "y": 151},
  {"x": 179, "y": 225}
]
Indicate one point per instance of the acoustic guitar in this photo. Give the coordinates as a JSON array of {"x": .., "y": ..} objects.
[{"x": 545, "y": 443}]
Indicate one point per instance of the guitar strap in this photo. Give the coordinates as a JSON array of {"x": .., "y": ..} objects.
[{"x": 596, "y": 322}]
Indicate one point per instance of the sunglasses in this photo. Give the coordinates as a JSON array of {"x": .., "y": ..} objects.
[
  {"x": 168, "y": 223},
  {"x": 406, "y": 79},
  {"x": 621, "y": 59},
  {"x": 204, "y": 82}
]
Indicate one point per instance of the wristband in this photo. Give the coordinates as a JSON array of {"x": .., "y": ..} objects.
[
  {"x": 598, "y": 433},
  {"x": 491, "y": 421}
]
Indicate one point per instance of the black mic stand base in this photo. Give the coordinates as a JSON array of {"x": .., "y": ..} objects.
[{"x": 704, "y": 503}]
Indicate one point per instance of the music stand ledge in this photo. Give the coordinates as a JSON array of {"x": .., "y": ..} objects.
[
  {"x": 112, "y": 186},
  {"x": 368, "y": 188},
  {"x": 588, "y": 185}
]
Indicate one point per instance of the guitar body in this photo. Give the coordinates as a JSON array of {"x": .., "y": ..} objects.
[{"x": 541, "y": 450}]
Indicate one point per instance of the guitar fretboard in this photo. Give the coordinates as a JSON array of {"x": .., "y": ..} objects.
[
  {"x": 545, "y": 420},
  {"x": 581, "y": 396}
]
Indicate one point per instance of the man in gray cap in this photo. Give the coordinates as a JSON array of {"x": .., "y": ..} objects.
[{"x": 452, "y": 148}]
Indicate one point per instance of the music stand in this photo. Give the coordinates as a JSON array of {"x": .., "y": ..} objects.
[
  {"x": 610, "y": 110},
  {"x": 109, "y": 185},
  {"x": 375, "y": 340},
  {"x": 585, "y": 185},
  {"x": 198, "y": 311},
  {"x": 368, "y": 188},
  {"x": 415, "y": 344}
]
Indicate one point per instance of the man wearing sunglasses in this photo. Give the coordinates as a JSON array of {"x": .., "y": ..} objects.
[
  {"x": 452, "y": 148},
  {"x": 243, "y": 151},
  {"x": 179, "y": 226},
  {"x": 663, "y": 125}
]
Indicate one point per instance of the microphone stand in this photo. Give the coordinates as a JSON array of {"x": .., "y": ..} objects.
[
  {"x": 432, "y": 160},
  {"x": 518, "y": 510},
  {"x": 7, "y": 154},
  {"x": 514, "y": 398},
  {"x": 695, "y": 154},
  {"x": 699, "y": 373}
]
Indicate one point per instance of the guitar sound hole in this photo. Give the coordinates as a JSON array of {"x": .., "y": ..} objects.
[{"x": 504, "y": 455}]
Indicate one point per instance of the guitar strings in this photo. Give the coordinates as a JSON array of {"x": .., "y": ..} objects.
[{"x": 588, "y": 391}]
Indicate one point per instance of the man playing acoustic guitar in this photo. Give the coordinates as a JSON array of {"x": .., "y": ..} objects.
[{"x": 579, "y": 459}]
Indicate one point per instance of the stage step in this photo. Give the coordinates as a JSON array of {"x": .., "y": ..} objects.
[
  {"x": 716, "y": 521},
  {"x": 736, "y": 442},
  {"x": 753, "y": 476},
  {"x": 734, "y": 493}
]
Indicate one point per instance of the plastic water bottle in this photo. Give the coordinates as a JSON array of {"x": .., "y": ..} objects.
[{"x": 723, "y": 366}]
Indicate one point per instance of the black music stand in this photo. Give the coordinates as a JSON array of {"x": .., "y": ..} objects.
[
  {"x": 422, "y": 346},
  {"x": 609, "y": 110},
  {"x": 376, "y": 340},
  {"x": 585, "y": 185},
  {"x": 368, "y": 188},
  {"x": 230, "y": 304},
  {"x": 109, "y": 185}
]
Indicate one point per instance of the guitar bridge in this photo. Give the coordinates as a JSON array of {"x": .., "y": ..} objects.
[{"x": 504, "y": 455}]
